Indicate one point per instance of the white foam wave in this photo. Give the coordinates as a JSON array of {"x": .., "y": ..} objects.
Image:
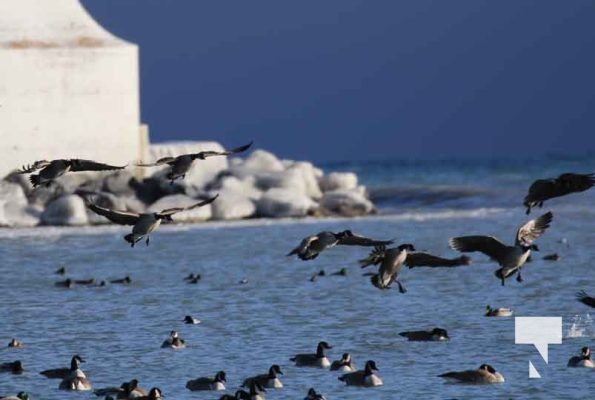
[{"x": 579, "y": 326}]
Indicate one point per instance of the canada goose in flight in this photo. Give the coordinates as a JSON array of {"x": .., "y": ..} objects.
[
  {"x": 391, "y": 261},
  {"x": 483, "y": 375},
  {"x": 204, "y": 383},
  {"x": 62, "y": 373},
  {"x": 545, "y": 189},
  {"x": 365, "y": 378},
  {"x": 268, "y": 380},
  {"x": 312, "y": 395},
  {"x": 417, "y": 259},
  {"x": 498, "y": 312},
  {"x": 317, "y": 359},
  {"x": 584, "y": 298},
  {"x": 435, "y": 335},
  {"x": 345, "y": 364},
  {"x": 312, "y": 245},
  {"x": 584, "y": 360},
  {"x": 19, "y": 396},
  {"x": 145, "y": 223},
  {"x": 510, "y": 258},
  {"x": 180, "y": 165},
  {"x": 51, "y": 170},
  {"x": 15, "y": 367}
]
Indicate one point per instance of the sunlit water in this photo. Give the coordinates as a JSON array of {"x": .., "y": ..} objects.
[{"x": 247, "y": 327}]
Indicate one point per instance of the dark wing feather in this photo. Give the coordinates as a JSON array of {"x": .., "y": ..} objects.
[
  {"x": 544, "y": 189},
  {"x": 33, "y": 167},
  {"x": 421, "y": 259},
  {"x": 118, "y": 217},
  {"x": 204, "y": 154},
  {"x": 488, "y": 245},
  {"x": 171, "y": 211},
  {"x": 585, "y": 299},
  {"x": 573, "y": 183},
  {"x": 88, "y": 165},
  {"x": 533, "y": 229},
  {"x": 355, "y": 240},
  {"x": 161, "y": 161}
]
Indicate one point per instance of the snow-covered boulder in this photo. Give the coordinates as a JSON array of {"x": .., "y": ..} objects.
[
  {"x": 338, "y": 180},
  {"x": 65, "y": 210},
  {"x": 282, "y": 202},
  {"x": 348, "y": 203}
]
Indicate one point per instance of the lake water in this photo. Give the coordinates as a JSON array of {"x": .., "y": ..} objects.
[{"x": 247, "y": 327}]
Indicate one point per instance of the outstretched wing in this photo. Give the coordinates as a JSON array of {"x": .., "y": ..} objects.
[
  {"x": 161, "y": 161},
  {"x": 421, "y": 259},
  {"x": 571, "y": 183},
  {"x": 25, "y": 169},
  {"x": 88, "y": 165},
  {"x": 118, "y": 217},
  {"x": 303, "y": 246},
  {"x": 488, "y": 245},
  {"x": 171, "y": 211},
  {"x": 205, "y": 154},
  {"x": 585, "y": 299},
  {"x": 374, "y": 258},
  {"x": 533, "y": 229},
  {"x": 544, "y": 189},
  {"x": 355, "y": 240}
]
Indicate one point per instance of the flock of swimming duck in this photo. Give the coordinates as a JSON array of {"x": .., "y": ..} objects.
[{"x": 389, "y": 261}]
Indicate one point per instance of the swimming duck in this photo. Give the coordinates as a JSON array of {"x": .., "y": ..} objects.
[
  {"x": 67, "y": 283},
  {"x": 317, "y": 359},
  {"x": 51, "y": 170},
  {"x": 19, "y": 396},
  {"x": 192, "y": 277},
  {"x": 435, "y": 335},
  {"x": 180, "y": 165},
  {"x": 311, "y": 246},
  {"x": 61, "y": 270},
  {"x": 15, "y": 367},
  {"x": 584, "y": 360},
  {"x": 124, "y": 281},
  {"x": 498, "y": 312},
  {"x": 483, "y": 375},
  {"x": 345, "y": 364},
  {"x": 545, "y": 189},
  {"x": 552, "y": 257},
  {"x": 173, "y": 341},
  {"x": 191, "y": 320},
  {"x": 510, "y": 258},
  {"x": 341, "y": 272},
  {"x": 143, "y": 224},
  {"x": 62, "y": 373},
  {"x": 204, "y": 383},
  {"x": 312, "y": 395},
  {"x": 584, "y": 298},
  {"x": 391, "y": 261},
  {"x": 366, "y": 378},
  {"x": 268, "y": 380},
  {"x": 15, "y": 343}
]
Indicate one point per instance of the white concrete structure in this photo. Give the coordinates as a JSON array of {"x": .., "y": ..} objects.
[{"x": 68, "y": 88}]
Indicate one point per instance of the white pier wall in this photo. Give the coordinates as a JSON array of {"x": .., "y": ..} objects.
[{"x": 68, "y": 88}]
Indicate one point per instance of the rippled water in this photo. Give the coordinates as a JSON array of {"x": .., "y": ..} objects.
[{"x": 279, "y": 312}]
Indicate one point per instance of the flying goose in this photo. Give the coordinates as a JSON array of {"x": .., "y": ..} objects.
[
  {"x": 51, "y": 170},
  {"x": 585, "y": 299},
  {"x": 143, "y": 224},
  {"x": 435, "y": 335},
  {"x": 584, "y": 360},
  {"x": 204, "y": 383},
  {"x": 180, "y": 165},
  {"x": 268, "y": 380},
  {"x": 317, "y": 359},
  {"x": 173, "y": 341},
  {"x": 19, "y": 396},
  {"x": 345, "y": 364},
  {"x": 366, "y": 378},
  {"x": 498, "y": 312},
  {"x": 391, "y": 261},
  {"x": 510, "y": 258},
  {"x": 483, "y": 375},
  {"x": 545, "y": 189},
  {"x": 62, "y": 373},
  {"x": 15, "y": 367},
  {"x": 311, "y": 246}
]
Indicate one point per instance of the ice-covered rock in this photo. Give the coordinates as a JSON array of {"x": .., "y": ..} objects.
[
  {"x": 14, "y": 208},
  {"x": 181, "y": 200},
  {"x": 338, "y": 180},
  {"x": 262, "y": 160},
  {"x": 65, "y": 210},
  {"x": 283, "y": 202},
  {"x": 232, "y": 204},
  {"x": 348, "y": 203}
]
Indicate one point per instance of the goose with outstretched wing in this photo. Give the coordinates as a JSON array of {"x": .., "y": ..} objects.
[
  {"x": 51, "y": 170},
  {"x": 145, "y": 223},
  {"x": 545, "y": 189},
  {"x": 181, "y": 164}
]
